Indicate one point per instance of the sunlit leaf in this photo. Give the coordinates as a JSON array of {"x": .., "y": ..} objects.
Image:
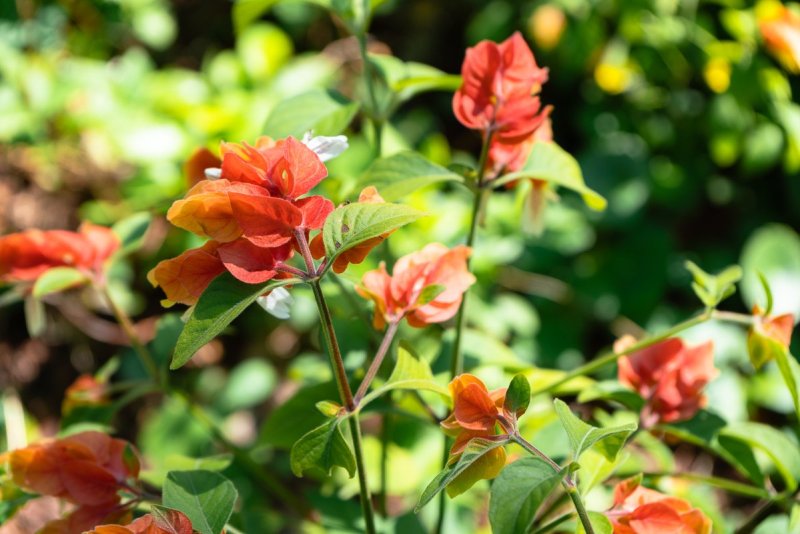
[
  {"x": 608, "y": 441},
  {"x": 518, "y": 492},
  {"x": 551, "y": 163},
  {"x": 323, "y": 112},
  {"x": 206, "y": 497},
  {"x": 403, "y": 173},
  {"x": 783, "y": 452},
  {"x": 58, "y": 279},
  {"x": 713, "y": 289},
  {"x": 321, "y": 450},
  {"x": 222, "y": 302},
  {"x": 410, "y": 372}
]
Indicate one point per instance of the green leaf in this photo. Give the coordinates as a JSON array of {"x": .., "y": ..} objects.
[
  {"x": 179, "y": 462},
  {"x": 247, "y": 11},
  {"x": 352, "y": 224},
  {"x": 767, "y": 293},
  {"x": 131, "y": 231},
  {"x": 328, "y": 408},
  {"x": 206, "y": 497},
  {"x": 700, "y": 429},
  {"x": 410, "y": 372},
  {"x": 611, "y": 390},
  {"x": 518, "y": 493},
  {"x": 518, "y": 395},
  {"x": 475, "y": 449},
  {"x": 773, "y": 251},
  {"x": 322, "y": 449},
  {"x": 782, "y": 451},
  {"x": 407, "y": 78},
  {"x": 323, "y": 112},
  {"x": 222, "y": 302},
  {"x": 713, "y": 289},
  {"x": 429, "y": 293},
  {"x": 762, "y": 348},
  {"x": 58, "y": 279},
  {"x": 35, "y": 316},
  {"x": 551, "y": 163},
  {"x": 608, "y": 441},
  {"x": 740, "y": 455},
  {"x": 596, "y": 468},
  {"x": 401, "y": 174},
  {"x": 600, "y": 524},
  {"x": 298, "y": 415}
]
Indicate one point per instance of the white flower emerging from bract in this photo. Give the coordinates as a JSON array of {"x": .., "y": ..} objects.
[
  {"x": 326, "y": 147},
  {"x": 213, "y": 173},
  {"x": 278, "y": 303}
]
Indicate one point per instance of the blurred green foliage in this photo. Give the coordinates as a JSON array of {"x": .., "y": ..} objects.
[{"x": 675, "y": 112}]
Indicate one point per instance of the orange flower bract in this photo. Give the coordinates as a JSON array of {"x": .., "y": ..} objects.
[
  {"x": 86, "y": 468},
  {"x": 185, "y": 277},
  {"x": 398, "y": 296},
  {"x": 670, "y": 377},
  {"x": 782, "y": 38},
  {"x": 500, "y": 82},
  {"x": 25, "y": 256},
  {"x": 639, "y": 510},
  {"x": 165, "y": 522}
]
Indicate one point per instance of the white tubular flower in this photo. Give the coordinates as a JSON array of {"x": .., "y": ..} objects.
[
  {"x": 277, "y": 303},
  {"x": 213, "y": 173},
  {"x": 326, "y": 147}
]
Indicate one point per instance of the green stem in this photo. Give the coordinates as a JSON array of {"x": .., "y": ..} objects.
[
  {"x": 482, "y": 194},
  {"x": 567, "y": 482},
  {"x": 346, "y": 396},
  {"x": 731, "y": 486},
  {"x": 388, "y": 337},
  {"x": 366, "y": 499},
  {"x": 386, "y": 422},
  {"x": 611, "y": 356},
  {"x": 547, "y": 527},
  {"x": 133, "y": 337}
]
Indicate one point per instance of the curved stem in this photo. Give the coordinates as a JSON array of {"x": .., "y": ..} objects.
[
  {"x": 611, "y": 356},
  {"x": 346, "y": 396},
  {"x": 335, "y": 355},
  {"x": 375, "y": 366},
  {"x": 302, "y": 242},
  {"x": 567, "y": 482},
  {"x": 731, "y": 486},
  {"x": 133, "y": 337}
]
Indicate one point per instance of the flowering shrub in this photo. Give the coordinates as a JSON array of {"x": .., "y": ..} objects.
[{"x": 306, "y": 212}]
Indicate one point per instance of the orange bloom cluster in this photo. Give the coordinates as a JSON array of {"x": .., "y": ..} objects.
[
  {"x": 476, "y": 413},
  {"x": 639, "y": 510},
  {"x": 251, "y": 214},
  {"x": 25, "y": 256},
  {"x": 499, "y": 97},
  {"x": 671, "y": 377},
  {"x": 403, "y": 294},
  {"x": 782, "y": 38},
  {"x": 86, "y": 469},
  {"x": 85, "y": 391},
  {"x": 166, "y": 522}
]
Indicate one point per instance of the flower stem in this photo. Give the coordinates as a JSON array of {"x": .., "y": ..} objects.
[
  {"x": 346, "y": 397},
  {"x": 611, "y": 356},
  {"x": 302, "y": 243},
  {"x": 133, "y": 337},
  {"x": 335, "y": 355},
  {"x": 383, "y": 349},
  {"x": 568, "y": 484},
  {"x": 482, "y": 194}
]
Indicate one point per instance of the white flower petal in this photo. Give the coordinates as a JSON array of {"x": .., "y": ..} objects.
[
  {"x": 326, "y": 147},
  {"x": 278, "y": 303},
  {"x": 213, "y": 173}
]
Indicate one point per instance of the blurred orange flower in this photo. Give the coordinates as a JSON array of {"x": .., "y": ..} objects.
[
  {"x": 25, "y": 256},
  {"x": 358, "y": 253},
  {"x": 476, "y": 413},
  {"x": 86, "y": 468},
  {"x": 166, "y": 521},
  {"x": 781, "y": 36},
  {"x": 639, "y": 510},
  {"x": 85, "y": 391},
  {"x": 671, "y": 377},
  {"x": 497, "y": 95},
  {"x": 427, "y": 286}
]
